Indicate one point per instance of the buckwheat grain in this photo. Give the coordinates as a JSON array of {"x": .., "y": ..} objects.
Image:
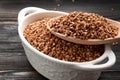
[
  {"x": 41, "y": 38},
  {"x": 84, "y": 26}
]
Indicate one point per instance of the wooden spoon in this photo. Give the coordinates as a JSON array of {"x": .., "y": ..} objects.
[{"x": 89, "y": 41}]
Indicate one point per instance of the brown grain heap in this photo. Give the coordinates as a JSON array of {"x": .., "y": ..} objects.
[
  {"x": 41, "y": 38},
  {"x": 84, "y": 26}
]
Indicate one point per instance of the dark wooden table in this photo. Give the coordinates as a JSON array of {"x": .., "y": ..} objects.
[{"x": 13, "y": 62}]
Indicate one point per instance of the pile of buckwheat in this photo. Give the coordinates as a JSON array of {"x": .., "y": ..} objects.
[
  {"x": 41, "y": 38},
  {"x": 84, "y": 26}
]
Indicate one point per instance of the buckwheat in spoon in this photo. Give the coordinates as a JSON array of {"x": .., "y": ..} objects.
[{"x": 85, "y": 28}]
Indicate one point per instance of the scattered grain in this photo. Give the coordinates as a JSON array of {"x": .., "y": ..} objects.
[
  {"x": 115, "y": 43},
  {"x": 58, "y": 5},
  {"x": 73, "y": 1}
]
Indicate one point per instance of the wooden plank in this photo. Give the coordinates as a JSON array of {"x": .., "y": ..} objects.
[
  {"x": 110, "y": 75},
  {"x": 20, "y": 75},
  {"x": 10, "y": 11},
  {"x": 32, "y": 75},
  {"x": 12, "y": 61},
  {"x": 10, "y": 46},
  {"x": 9, "y": 32}
]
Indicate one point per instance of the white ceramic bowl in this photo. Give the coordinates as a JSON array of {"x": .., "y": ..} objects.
[{"x": 55, "y": 69}]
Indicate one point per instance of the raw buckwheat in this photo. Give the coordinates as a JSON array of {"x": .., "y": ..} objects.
[
  {"x": 84, "y": 26},
  {"x": 41, "y": 38}
]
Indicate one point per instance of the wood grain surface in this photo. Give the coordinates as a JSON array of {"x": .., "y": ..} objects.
[{"x": 13, "y": 62}]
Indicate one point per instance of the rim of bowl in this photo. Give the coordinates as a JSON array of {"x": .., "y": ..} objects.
[{"x": 102, "y": 57}]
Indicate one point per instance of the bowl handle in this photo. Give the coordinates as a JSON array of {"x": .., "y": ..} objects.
[
  {"x": 26, "y": 11},
  {"x": 94, "y": 66}
]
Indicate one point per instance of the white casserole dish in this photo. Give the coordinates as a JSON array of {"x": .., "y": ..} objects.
[{"x": 55, "y": 69}]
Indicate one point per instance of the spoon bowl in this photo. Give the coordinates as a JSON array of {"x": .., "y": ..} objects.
[{"x": 89, "y": 41}]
